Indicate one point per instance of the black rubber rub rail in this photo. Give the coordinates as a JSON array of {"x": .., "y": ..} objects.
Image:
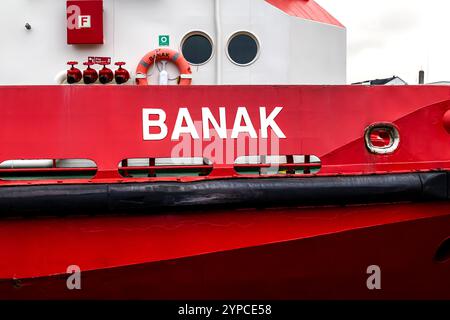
[{"x": 218, "y": 194}]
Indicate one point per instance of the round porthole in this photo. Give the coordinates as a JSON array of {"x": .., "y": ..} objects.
[
  {"x": 243, "y": 48},
  {"x": 197, "y": 48},
  {"x": 382, "y": 138}
]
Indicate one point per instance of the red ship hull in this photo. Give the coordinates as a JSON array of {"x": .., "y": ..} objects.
[
  {"x": 278, "y": 252},
  {"x": 269, "y": 254}
]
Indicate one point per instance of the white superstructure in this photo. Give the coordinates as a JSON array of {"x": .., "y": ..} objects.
[{"x": 291, "y": 49}]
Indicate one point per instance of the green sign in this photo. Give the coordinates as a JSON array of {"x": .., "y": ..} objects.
[{"x": 164, "y": 40}]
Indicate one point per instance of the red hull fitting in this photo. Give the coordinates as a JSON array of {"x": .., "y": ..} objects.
[
  {"x": 271, "y": 254},
  {"x": 289, "y": 253}
]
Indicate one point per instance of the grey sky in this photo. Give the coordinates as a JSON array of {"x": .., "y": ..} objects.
[{"x": 395, "y": 37}]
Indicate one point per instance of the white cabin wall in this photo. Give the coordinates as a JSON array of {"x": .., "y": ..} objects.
[
  {"x": 139, "y": 35},
  {"x": 293, "y": 50},
  {"x": 270, "y": 26},
  {"x": 317, "y": 51},
  {"x": 36, "y": 56}
]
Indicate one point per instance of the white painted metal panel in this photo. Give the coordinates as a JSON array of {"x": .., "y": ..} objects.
[{"x": 293, "y": 50}]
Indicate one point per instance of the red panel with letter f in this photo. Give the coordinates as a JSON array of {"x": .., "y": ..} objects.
[{"x": 85, "y": 22}]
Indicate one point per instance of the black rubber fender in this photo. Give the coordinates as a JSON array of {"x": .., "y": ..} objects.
[{"x": 151, "y": 197}]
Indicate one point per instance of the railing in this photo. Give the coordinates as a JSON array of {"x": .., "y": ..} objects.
[
  {"x": 66, "y": 169},
  {"x": 164, "y": 167},
  {"x": 275, "y": 165},
  {"x": 47, "y": 169}
]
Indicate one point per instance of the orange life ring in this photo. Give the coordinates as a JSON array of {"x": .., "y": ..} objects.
[{"x": 164, "y": 54}]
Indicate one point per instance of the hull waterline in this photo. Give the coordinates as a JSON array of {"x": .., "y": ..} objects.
[{"x": 297, "y": 253}]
